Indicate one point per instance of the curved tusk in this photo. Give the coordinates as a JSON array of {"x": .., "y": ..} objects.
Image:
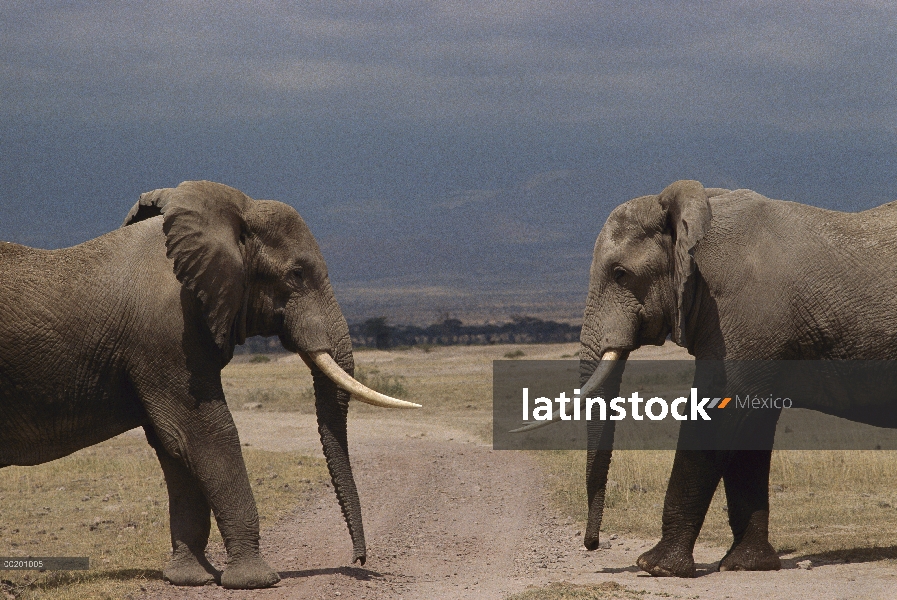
[
  {"x": 605, "y": 366},
  {"x": 359, "y": 391},
  {"x": 608, "y": 360}
]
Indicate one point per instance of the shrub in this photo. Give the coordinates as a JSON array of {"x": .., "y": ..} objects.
[{"x": 391, "y": 385}]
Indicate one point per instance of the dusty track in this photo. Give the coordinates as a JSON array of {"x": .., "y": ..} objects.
[{"x": 448, "y": 518}]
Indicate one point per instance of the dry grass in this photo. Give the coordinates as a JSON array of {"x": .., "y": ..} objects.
[
  {"x": 608, "y": 590},
  {"x": 109, "y": 502},
  {"x": 276, "y": 385},
  {"x": 284, "y": 384},
  {"x": 454, "y": 383},
  {"x": 831, "y": 504},
  {"x": 834, "y": 503}
]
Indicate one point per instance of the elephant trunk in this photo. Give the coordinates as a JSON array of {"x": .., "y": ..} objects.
[
  {"x": 600, "y": 448},
  {"x": 332, "y": 407}
]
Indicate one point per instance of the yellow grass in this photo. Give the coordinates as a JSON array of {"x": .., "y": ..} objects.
[
  {"x": 835, "y": 503},
  {"x": 608, "y": 590},
  {"x": 284, "y": 384},
  {"x": 454, "y": 383},
  {"x": 109, "y": 502},
  {"x": 275, "y": 385}
]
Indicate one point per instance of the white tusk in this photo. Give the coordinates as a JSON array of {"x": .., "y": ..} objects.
[
  {"x": 608, "y": 360},
  {"x": 358, "y": 390}
]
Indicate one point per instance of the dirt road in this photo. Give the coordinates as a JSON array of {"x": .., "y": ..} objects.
[{"x": 447, "y": 517}]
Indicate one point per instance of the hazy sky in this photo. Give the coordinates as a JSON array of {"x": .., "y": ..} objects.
[{"x": 447, "y": 155}]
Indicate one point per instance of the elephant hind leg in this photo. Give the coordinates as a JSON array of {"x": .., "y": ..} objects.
[
  {"x": 746, "y": 480},
  {"x": 190, "y": 518}
]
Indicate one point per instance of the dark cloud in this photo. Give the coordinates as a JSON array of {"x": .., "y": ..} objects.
[
  {"x": 797, "y": 65},
  {"x": 455, "y": 146}
]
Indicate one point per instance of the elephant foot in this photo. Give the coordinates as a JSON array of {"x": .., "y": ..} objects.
[
  {"x": 188, "y": 569},
  {"x": 665, "y": 560},
  {"x": 751, "y": 550},
  {"x": 757, "y": 556},
  {"x": 247, "y": 574}
]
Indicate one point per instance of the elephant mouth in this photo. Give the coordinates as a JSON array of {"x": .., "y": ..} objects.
[
  {"x": 599, "y": 375},
  {"x": 343, "y": 380}
]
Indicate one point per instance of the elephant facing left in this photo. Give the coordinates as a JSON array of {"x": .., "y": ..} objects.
[{"x": 132, "y": 329}]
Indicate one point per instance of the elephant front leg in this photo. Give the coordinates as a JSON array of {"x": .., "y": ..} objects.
[
  {"x": 693, "y": 482},
  {"x": 208, "y": 445},
  {"x": 747, "y": 493},
  {"x": 190, "y": 516}
]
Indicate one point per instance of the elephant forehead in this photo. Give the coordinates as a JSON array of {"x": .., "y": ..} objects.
[
  {"x": 285, "y": 236},
  {"x": 279, "y": 224},
  {"x": 634, "y": 220}
]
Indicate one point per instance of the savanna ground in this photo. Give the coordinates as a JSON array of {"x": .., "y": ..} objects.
[{"x": 445, "y": 515}]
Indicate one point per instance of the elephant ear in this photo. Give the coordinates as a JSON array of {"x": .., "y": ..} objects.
[
  {"x": 688, "y": 218},
  {"x": 150, "y": 205},
  {"x": 204, "y": 231}
]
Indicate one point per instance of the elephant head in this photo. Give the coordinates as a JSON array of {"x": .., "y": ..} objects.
[
  {"x": 254, "y": 268},
  {"x": 642, "y": 288}
]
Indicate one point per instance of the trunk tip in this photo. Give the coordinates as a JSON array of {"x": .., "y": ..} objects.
[{"x": 591, "y": 544}]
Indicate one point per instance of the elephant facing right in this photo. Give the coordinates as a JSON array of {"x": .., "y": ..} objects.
[{"x": 732, "y": 275}]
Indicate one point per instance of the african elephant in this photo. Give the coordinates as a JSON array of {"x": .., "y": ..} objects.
[
  {"x": 730, "y": 275},
  {"x": 133, "y": 328}
]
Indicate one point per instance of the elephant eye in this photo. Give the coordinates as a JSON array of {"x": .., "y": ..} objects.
[
  {"x": 297, "y": 273},
  {"x": 619, "y": 274}
]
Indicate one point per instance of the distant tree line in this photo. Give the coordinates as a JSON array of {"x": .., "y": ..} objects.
[
  {"x": 260, "y": 345},
  {"x": 378, "y": 333}
]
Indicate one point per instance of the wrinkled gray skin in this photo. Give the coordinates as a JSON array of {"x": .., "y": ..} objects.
[
  {"x": 731, "y": 275},
  {"x": 133, "y": 328}
]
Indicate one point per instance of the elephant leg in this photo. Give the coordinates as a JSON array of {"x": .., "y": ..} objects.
[
  {"x": 693, "y": 482},
  {"x": 205, "y": 439},
  {"x": 190, "y": 516},
  {"x": 746, "y": 479}
]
